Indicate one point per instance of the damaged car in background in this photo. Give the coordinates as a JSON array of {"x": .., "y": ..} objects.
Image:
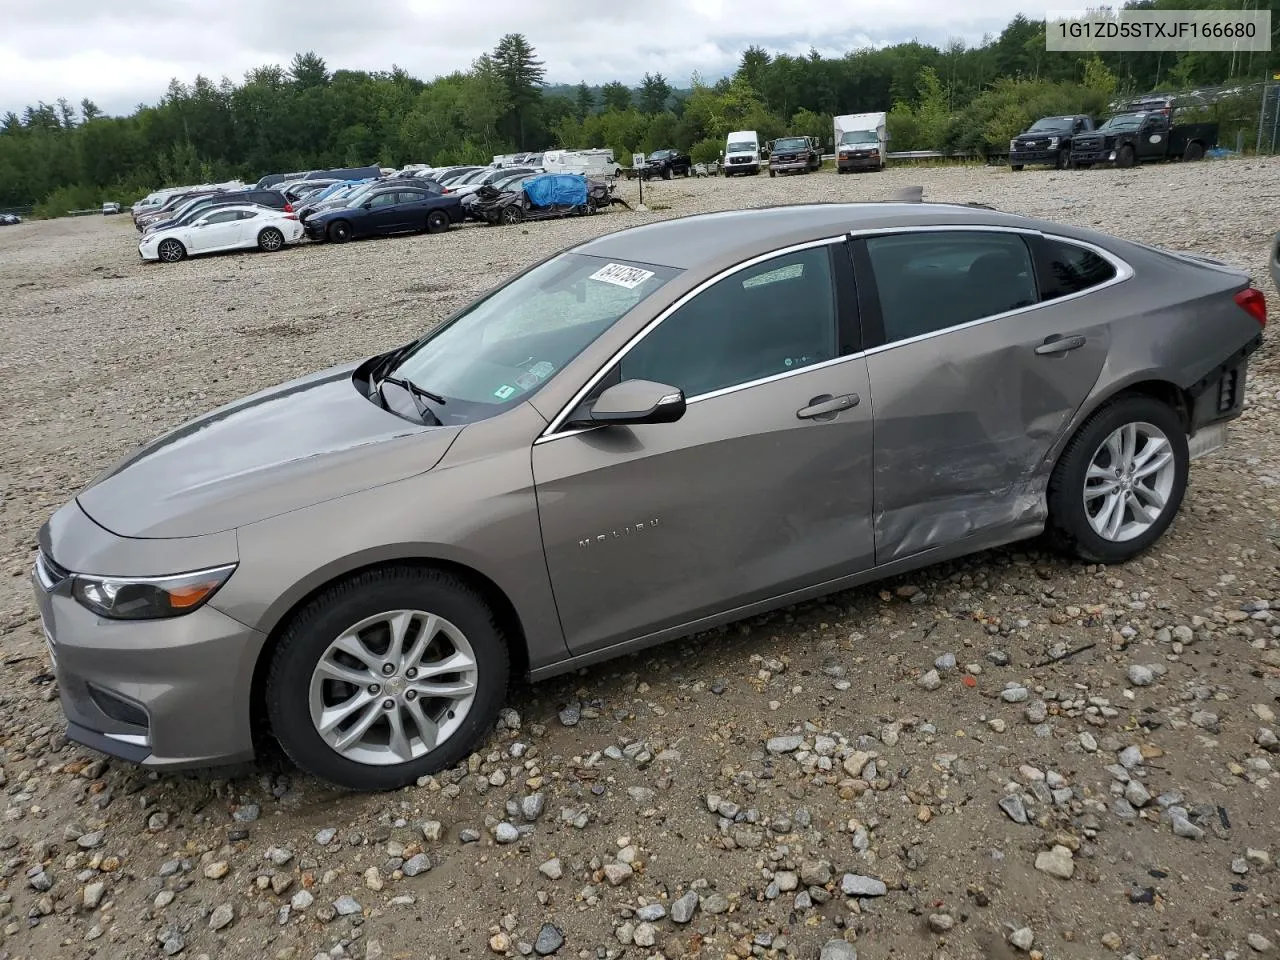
[
  {"x": 641, "y": 437},
  {"x": 544, "y": 197}
]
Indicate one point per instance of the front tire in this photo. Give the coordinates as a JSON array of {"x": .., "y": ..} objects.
[
  {"x": 1120, "y": 481},
  {"x": 340, "y": 231},
  {"x": 1125, "y": 156},
  {"x": 388, "y": 676},
  {"x": 171, "y": 251}
]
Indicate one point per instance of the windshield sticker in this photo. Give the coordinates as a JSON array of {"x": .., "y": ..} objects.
[
  {"x": 504, "y": 391},
  {"x": 542, "y": 369},
  {"x": 621, "y": 275},
  {"x": 527, "y": 381}
]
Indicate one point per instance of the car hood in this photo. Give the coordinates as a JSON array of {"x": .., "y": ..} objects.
[{"x": 302, "y": 442}]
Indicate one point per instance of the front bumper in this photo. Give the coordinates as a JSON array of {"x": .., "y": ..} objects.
[
  {"x": 866, "y": 161},
  {"x": 1026, "y": 157},
  {"x": 314, "y": 231},
  {"x": 746, "y": 166},
  {"x": 784, "y": 166},
  {"x": 167, "y": 694},
  {"x": 1090, "y": 153}
]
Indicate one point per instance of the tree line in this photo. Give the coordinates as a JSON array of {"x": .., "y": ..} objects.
[{"x": 305, "y": 116}]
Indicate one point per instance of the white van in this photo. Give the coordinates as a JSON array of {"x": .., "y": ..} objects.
[
  {"x": 742, "y": 153},
  {"x": 594, "y": 162}
]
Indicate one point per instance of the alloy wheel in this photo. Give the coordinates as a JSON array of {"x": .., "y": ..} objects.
[
  {"x": 1129, "y": 481},
  {"x": 171, "y": 251},
  {"x": 393, "y": 687}
]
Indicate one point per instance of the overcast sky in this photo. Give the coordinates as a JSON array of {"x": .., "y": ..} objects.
[{"x": 122, "y": 52}]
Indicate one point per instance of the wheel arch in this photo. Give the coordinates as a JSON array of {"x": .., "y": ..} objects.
[
  {"x": 1146, "y": 383},
  {"x": 508, "y": 617}
]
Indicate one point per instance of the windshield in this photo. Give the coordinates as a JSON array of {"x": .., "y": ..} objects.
[
  {"x": 1051, "y": 125},
  {"x": 859, "y": 136},
  {"x": 1127, "y": 121},
  {"x": 741, "y": 146},
  {"x": 661, "y": 154},
  {"x": 503, "y": 348},
  {"x": 790, "y": 143}
]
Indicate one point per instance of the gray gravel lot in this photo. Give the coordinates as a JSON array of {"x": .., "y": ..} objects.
[{"x": 893, "y": 768}]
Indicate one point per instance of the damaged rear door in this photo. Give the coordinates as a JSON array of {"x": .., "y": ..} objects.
[{"x": 977, "y": 363}]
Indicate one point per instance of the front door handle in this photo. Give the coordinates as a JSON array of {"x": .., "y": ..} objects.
[
  {"x": 827, "y": 406},
  {"x": 1056, "y": 343}
]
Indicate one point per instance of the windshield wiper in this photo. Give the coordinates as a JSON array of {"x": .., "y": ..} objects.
[{"x": 417, "y": 393}]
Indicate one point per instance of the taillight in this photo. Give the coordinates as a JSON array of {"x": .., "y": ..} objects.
[
  {"x": 447, "y": 190},
  {"x": 288, "y": 207},
  {"x": 1253, "y": 303}
]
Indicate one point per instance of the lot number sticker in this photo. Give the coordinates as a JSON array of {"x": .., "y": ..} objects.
[
  {"x": 504, "y": 391},
  {"x": 621, "y": 275}
]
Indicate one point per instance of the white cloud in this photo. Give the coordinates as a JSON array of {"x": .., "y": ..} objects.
[{"x": 120, "y": 54}]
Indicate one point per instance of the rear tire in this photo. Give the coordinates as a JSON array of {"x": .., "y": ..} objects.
[
  {"x": 291, "y": 689},
  {"x": 339, "y": 231},
  {"x": 270, "y": 240},
  {"x": 1194, "y": 151},
  {"x": 1088, "y": 466},
  {"x": 437, "y": 221},
  {"x": 1015, "y": 167}
]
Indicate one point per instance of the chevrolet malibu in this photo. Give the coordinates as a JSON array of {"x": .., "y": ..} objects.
[{"x": 649, "y": 434}]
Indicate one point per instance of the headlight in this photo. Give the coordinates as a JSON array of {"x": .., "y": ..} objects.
[
  {"x": 1053, "y": 143},
  {"x": 148, "y": 598},
  {"x": 1013, "y": 144}
]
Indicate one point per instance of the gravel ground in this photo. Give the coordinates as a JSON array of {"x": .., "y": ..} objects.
[{"x": 898, "y": 771}]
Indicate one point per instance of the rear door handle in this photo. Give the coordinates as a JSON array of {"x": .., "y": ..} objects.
[
  {"x": 1056, "y": 343},
  {"x": 827, "y": 406}
]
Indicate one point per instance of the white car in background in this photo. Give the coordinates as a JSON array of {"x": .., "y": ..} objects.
[{"x": 239, "y": 227}]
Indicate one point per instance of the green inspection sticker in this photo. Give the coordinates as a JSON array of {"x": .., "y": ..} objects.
[{"x": 504, "y": 391}]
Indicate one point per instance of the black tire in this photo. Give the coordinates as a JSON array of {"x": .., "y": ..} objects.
[
  {"x": 1015, "y": 167},
  {"x": 1082, "y": 166},
  {"x": 773, "y": 172},
  {"x": 334, "y": 610},
  {"x": 1063, "y": 160},
  {"x": 667, "y": 173},
  {"x": 171, "y": 251},
  {"x": 1194, "y": 151},
  {"x": 511, "y": 214},
  {"x": 437, "y": 221},
  {"x": 270, "y": 240},
  {"x": 1068, "y": 527},
  {"x": 339, "y": 231},
  {"x": 1125, "y": 156}
]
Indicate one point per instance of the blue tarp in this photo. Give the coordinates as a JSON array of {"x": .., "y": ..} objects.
[{"x": 556, "y": 189}]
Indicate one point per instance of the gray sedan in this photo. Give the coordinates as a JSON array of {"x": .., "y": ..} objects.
[{"x": 652, "y": 433}]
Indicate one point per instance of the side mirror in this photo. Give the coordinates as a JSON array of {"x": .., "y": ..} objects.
[
  {"x": 638, "y": 401},
  {"x": 366, "y": 205}
]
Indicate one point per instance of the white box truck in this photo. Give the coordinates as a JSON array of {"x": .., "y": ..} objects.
[
  {"x": 742, "y": 153},
  {"x": 862, "y": 141},
  {"x": 594, "y": 162}
]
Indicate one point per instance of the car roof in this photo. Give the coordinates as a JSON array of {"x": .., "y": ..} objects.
[{"x": 726, "y": 237}]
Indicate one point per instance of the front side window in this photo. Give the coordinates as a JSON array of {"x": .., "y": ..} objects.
[
  {"x": 934, "y": 280},
  {"x": 222, "y": 216},
  {"x": 767, "y": 319},
  {"x": 503, "y": 348},
  {"x": 383, "y": 200}
]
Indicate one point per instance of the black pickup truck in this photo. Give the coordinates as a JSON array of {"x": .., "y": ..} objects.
[
  {"x": 666, "y": 164},
  {"x": 1048, "y": 140},
  {"x": 1143, "y": 137}
]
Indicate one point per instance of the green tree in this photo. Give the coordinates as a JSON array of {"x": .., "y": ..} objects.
[
  {"x": 654, "y": 93},
  {"x": 522, "y": 74},
  {"x": 308, "y": 70},
  {"x": 616, "y": 96},
  {"x": 586, "y": 101}
]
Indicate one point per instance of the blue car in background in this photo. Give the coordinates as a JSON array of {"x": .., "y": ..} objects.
[{"x": 396, "y": 208}]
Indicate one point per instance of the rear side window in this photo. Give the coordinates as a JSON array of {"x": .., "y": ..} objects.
[
  {"x": 1069, "y": 268},
  {"x": 934, "y": 280}
]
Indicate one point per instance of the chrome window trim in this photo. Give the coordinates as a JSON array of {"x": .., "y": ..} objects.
[
  {"x": 1124, "y": 272},
  {"x": 550, "y": 433}
]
